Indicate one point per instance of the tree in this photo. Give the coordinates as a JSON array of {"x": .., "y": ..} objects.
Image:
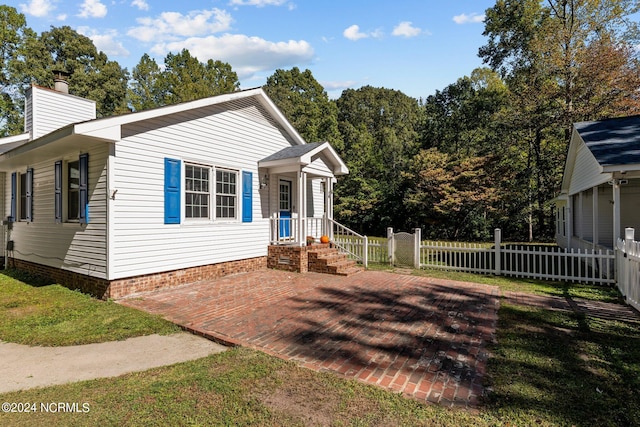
[
  {"x": 145, "y": 90},
  {"x": 185, "y": 78},
  {"x": 93, "y": 75},
  {"x": 306, "y": 105},
  {"x": 461, "y": 118},
  {"x": 563, "y": 61},
  {"x": 380, "y": 128},
  {"x": 450, "y": 196},
  {"x": 15, "y": 36}
]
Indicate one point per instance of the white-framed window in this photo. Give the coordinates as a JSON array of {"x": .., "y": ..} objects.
[
  {"x": 197, "y": 191},
  {"x": 226, "y": 193}
]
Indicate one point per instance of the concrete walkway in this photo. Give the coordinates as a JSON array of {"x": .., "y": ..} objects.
[
  {"x": 26, "y": 367},
  {"x": 426, "y": 338}
]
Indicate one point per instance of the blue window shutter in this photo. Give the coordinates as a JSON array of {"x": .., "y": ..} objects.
[
  {"x": 172, "y": 180},
  {"x": 58, "y": 191},
  {"x": 14, "y": 189},
  {"x": 247, "y": 196},
  {"x": 83, "y": 192},
  {"x": 29, "y": 193}
]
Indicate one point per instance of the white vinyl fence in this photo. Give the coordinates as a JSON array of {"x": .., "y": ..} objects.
[
  {"x": 628, "y": 268},
  {"x": 527, "y": 261}
]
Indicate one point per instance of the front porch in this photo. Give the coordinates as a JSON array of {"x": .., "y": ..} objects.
[{"x": 594, "y": 218}]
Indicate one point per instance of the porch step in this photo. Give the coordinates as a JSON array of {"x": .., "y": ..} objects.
[{"x": 329, "y": 260}]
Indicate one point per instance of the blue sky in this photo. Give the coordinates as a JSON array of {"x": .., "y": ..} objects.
[{"x": 416, "y": 46}]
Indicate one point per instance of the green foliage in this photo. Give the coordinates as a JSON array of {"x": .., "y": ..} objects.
[
  {"x": 450, "y": 197},
  {"x": 93, "y": 75},
  {"x": 15, "y": 37},
  {"x": 184, "y": 78},
  {"x": 380, "y": 128},
  {"x": 305, "y": 103},
  {"x": 144, "y": 90}
]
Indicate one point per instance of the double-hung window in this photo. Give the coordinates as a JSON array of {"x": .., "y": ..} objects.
[
  {"x": 226, "y": 193},
  {"x": 197, "y": 191},
  {"x": 210, "y": 193},
  {"x": 22, "y": 195},
  {"x": 71, "y": 190}
]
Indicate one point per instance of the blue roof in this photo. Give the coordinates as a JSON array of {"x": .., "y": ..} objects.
[{"x": 613, "y": 141}]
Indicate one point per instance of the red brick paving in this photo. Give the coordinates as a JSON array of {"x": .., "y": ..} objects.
[{"x": 420, "y": 336}]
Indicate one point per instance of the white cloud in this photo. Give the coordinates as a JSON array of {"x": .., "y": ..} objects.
[
  {"x": 463, "y": 18},
  {"x": 38, "y": 8},
  {"x": 92, "y": 9},
  {"x": 406, "y": 29},
  {"x": 247, "y": 55},
  {"x": 140, "y": 4},
  {"x": 354, "y": 33},
  {"x": 259, "y": 3},
  {"x": 335, "y": 85},
  {"x": 106, "y": 42},
  {"x": 174, "y": 25}
]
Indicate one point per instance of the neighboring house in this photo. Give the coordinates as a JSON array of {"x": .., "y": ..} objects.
[
  {"x": 173, "y": 195},
  {"x": 600, "y": 193}
]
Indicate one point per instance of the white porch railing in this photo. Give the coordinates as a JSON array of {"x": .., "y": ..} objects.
[
  {"x": 628, "y": 268},
  {"x": 350, "y": 242},
  {"x": 287, "y": 230}
]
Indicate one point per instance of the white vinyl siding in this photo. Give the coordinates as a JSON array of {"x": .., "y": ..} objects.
[
  {"x": 47, "y": 110},
  {"x": 586, "y": 171},
  {"x": 69, "y": 246},
  {"x": 232, "y": 137}
]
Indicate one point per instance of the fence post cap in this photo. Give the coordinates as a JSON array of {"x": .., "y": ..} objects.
[{"x": 629, "y": 233}]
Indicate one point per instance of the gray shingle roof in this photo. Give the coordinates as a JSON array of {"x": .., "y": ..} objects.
[
  {"x": 613, "y": 141},
  {"x": 292, "y": 152}
]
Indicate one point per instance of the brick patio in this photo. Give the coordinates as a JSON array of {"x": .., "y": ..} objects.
[{"x": 423, "y": 337}]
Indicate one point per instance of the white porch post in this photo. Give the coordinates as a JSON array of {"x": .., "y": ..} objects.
[
  {"x": 580, "y": 216},
  {"x": 326, "y": 226},
  {"x": 569, "y": 219},
  {"x": 594, "y": 207},
  {"x": 616, "y": 211},
  {"x": 302, "y": 207}
]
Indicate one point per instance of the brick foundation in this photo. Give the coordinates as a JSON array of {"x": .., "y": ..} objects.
[
  {"x": 119, "y": 288},
  {"x": 288, "y": 258},
  {"x": 297, "y": 259}
]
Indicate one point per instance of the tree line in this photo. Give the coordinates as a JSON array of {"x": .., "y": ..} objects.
[{"x": 486, "y": 151}]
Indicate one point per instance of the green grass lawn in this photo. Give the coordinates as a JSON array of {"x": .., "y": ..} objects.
[
  {"x": 36, "y": 313},
  {"x": 548, "y": 368}
]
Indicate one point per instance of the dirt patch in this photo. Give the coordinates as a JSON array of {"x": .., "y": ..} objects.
[{"x": 301, "y": 398}]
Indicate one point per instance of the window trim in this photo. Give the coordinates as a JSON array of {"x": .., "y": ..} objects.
[
  {"x": 213, "y": 194},
  {"x": 22, "y": 196},
  {"x": 237, "y": 185},
  {"x": 210, "y": 215}
]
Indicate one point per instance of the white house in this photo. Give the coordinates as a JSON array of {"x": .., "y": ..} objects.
[
  {"x": 175, "y": 194},
  {"x": 600, "y": 193}
]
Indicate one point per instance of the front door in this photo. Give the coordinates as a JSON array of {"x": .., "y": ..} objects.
[{"x": 284, "y": 197}]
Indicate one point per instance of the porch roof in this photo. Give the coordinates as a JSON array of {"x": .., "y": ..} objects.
[{"x": 304, "y": 155}]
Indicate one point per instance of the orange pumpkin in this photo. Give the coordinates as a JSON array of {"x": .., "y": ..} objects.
[{"x": 324, "y": 239}]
